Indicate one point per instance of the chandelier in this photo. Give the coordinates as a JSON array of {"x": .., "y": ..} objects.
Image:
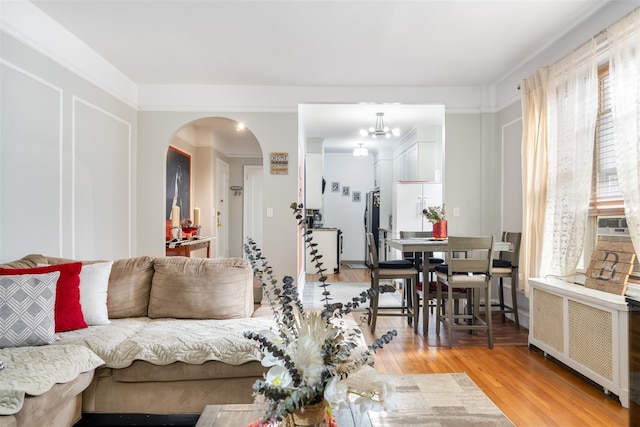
[
  {"x": 380, "y": 129},
  {"x": 360, "y": 151}
]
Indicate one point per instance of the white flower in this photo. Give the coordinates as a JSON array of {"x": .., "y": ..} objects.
[
  {"x": 387, "y": 394},
  {"x": 307, "y": 355},
  {"x": 375, "y": 393},
  {"x": 278, "y": 376},
  {"x": 268, "y": 359},
  {"x": 335, "y": 392}
]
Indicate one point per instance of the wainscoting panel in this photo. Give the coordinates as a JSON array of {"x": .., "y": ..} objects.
[
  {"x": 102, "y": 183},
  {"x": 30, "y": 164}
]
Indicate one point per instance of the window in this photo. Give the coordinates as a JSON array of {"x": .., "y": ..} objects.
[
  {"x": 606, "y": 208},
  {"x": 606, "y": 198}
]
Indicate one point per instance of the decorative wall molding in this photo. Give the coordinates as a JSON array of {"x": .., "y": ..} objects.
[{"x": 59, "y": 92}]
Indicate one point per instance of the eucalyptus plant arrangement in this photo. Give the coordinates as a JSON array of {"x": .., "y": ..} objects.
[
  {"x": 434, "y": 213},
  {"x": 313, "y": 355}
]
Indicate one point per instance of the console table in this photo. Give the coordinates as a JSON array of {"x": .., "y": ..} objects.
[{"x": 184, "y": 247}]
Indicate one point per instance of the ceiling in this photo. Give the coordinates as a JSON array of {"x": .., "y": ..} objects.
[{"x": 321, "y": 43}]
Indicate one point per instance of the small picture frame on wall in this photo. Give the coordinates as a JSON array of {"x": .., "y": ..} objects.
[
  {"x": 345, "y": 191},
  {"x": 356, "y": 196},
  {"x": 335, "y": 187}
]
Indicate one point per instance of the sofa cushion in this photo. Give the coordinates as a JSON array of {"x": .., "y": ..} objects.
[
  {"x": 201, "y": 288},
  {"x": 94, "y": 282},
  {"x": 164, "y": 341},
  {"x": 27, "y": 309},
  {"x": 68, "y": 312},
  {"x": 129, "y": 287}
]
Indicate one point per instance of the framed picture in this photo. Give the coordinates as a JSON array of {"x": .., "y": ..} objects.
[
  {"x": 335, "y": 187},
  {"x": 345, "y": 191},
  {"x": 178, "y": 182},
  {"x": 356, "y": 196}
]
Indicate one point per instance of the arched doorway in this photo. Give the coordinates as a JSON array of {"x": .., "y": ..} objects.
[{"x": 219, "y": 149}]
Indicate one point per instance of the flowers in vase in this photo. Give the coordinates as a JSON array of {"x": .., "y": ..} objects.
[
  {"x": 434, "y": 213},
  {"x": 314, "y": 355}
]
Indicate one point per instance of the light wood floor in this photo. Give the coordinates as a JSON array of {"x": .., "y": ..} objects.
[{"x": 530, "y": 389}]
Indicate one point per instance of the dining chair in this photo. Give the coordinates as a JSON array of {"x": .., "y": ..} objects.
[
  {"x": 426, "y": 289},
  {"x": 507, "y": 266},
  {"x": 390, "y": 270},
  {"x": 469, "y": 261}
]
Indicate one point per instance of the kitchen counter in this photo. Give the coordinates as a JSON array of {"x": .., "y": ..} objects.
[{"x": 329, "y": 245}]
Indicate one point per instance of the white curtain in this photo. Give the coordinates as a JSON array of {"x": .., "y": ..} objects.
[
  {"x": 623, "y": 39},
  {"x": 534, "y": 173},
  {"x": 572, "y": 99}
]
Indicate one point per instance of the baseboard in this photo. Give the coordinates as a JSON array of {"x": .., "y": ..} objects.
[{"x": 150, "y": 420}]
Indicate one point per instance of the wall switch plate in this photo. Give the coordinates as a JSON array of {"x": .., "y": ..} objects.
[
  {"x": 456, "y": 212},
  {"x": 269, "y": 212}
]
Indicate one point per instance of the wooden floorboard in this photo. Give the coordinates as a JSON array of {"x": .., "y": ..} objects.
[{"x": 530, "y": 389}]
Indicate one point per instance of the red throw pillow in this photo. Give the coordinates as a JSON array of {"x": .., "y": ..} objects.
[{"x": 67, "y": 310}]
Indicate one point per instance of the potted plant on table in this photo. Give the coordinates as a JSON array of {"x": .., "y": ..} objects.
[
  {"x": 314, "y": 357},
  {"x": 435, "y": 214}
]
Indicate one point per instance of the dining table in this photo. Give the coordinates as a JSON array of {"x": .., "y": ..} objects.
[{"x": 429, "y": 245}]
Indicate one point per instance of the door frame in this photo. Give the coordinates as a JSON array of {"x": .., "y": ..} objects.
[
  {"x": 253, "y": 218},
  {"x": 221, "y": 217}
]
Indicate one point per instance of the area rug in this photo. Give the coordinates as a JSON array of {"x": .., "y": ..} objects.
[
  {"x": 447, "y": 400},
  {"x": 344, "y": 292},
  {"x": 357, "y": 266}
]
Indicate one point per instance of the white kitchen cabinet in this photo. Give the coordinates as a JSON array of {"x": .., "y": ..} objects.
[
  {"x": 420, "y": 155},
  {"x": 408, "y": 201}
]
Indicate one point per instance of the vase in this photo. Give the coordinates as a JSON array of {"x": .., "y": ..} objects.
[
  {"x": 309, "y": 416},
  {"x": 440, "y": 229}
]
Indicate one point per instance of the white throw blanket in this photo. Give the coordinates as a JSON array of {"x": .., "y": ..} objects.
[
  {"x": 34, "y": 370},
  {"x": 165, "y": 341}
]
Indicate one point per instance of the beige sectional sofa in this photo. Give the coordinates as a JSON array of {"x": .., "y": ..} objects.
[{"x": 173, "y": 345}]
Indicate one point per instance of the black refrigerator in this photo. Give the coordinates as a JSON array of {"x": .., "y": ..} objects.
[{"x": 372, "y": 221}]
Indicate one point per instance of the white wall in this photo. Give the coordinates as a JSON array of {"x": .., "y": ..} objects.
[
  {"x": 67, "y": 162},
  {"x": 276, "y": 132},
  {"x": 341, "y": 211}
]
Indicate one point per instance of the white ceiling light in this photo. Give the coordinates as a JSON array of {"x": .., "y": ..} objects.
[
  {"x": 380, "y": 129},
  {"x": 360, "y": 151}
]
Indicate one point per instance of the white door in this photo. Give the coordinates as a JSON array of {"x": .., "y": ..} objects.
[
  {"x": 221, "y": 219},
  {"x": 253, "y": 205}
]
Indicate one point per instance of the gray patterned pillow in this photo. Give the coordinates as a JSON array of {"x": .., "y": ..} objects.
[{"x": 26, "y": 309}]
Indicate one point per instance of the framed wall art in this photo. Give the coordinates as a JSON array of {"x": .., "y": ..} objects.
[
  {"x": 335, "y": 187},
  {"x": 356, "y": 196},
  {"x": 178, "y": 182},
  {"x": 345, "y": 191}
]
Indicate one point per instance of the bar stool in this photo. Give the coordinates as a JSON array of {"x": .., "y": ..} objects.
[
  {"x": 390, "y": 270},
  {"x": 471, "y": 273}
]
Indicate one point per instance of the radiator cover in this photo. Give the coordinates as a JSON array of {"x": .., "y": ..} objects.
[{"x": 585, "y": 329}]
